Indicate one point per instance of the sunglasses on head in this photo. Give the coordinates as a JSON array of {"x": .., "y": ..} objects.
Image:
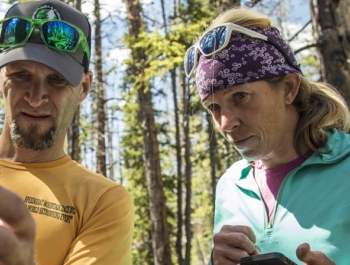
[
  {"x": 217, "y": 39},
  {"x": 56, "y": 34}
]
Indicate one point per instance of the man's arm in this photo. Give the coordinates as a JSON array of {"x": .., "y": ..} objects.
[{"x": 17, "y": 230}]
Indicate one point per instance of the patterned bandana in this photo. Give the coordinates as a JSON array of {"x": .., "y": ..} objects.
[{"x": 244, "y": 60}]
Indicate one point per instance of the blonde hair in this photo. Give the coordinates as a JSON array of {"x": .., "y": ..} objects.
[
  {"x": 320, "y": 106},
  {"x": 244, "y": 17}
]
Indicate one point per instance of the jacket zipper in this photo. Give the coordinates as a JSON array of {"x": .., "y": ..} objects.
[{"x": 275, "y": 211}]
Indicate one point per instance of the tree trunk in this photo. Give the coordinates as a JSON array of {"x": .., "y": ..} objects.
[
  {"x": 223, "y": 5},
  {"x": 160, "y": 231},
  {"x": 73, "y": 133},
  {"x": 187, "y": 166},
  {"x": 180, "y": 182},
  {"x": 78, "y": 5},
  {"x": 73, "y": 137},
  {"x": 331, "y": 28},
  {"x": 213, "y": 147},
  {"x": 179, "y": 173},
  {"x": 100, "y": 96},
  {"x": 110, "y": 153}
]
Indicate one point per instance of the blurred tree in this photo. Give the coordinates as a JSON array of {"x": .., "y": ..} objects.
[
  {"x": 73, "y": 133},
  {"x": 331, "y": 27},
  {"x": 100, "y": 98},
  {"x": 160, "y": 232},
  {"x": 223, "y": 5}
]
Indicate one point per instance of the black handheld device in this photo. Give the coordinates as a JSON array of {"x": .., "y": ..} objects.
[{"x": 273, "y": 258}]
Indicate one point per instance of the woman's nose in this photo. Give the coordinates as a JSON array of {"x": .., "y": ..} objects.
[{"x": 228, "y": 120}]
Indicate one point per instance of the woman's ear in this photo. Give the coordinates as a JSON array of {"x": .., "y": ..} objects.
[
  {"x": 291, "y": 87},
  {"x": 85, "y": 86}
]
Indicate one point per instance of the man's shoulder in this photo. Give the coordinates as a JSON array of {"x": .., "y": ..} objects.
[
  {"x": 87, "y": 175},
  {"x": 95, "y": 186}
]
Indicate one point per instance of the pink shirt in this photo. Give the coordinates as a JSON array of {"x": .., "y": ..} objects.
[{"x": 269, "y": 180}]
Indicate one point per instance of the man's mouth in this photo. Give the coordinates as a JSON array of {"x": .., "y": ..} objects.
[{"x": 38, "y": 116}]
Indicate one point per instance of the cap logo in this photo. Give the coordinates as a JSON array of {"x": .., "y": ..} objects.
[{"x": 46, "y": 12}]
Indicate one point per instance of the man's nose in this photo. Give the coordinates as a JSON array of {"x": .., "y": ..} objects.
[{"x": 37, "y": 94}]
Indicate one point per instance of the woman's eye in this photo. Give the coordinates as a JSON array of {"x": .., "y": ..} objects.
[
  {"x": 213, "y": 107},
  {"x": 240, "y": 95}
]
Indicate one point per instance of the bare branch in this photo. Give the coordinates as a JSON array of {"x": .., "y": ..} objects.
[
  {"x": 252, "y": 3},
  {"x": 305, "y": 48},
  {"x": 296, "y": 34}
]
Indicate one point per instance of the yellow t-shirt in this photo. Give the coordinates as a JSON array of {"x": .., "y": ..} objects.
[{"x": 82, "y": 218}]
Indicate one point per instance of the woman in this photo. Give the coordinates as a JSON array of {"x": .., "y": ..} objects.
[{"x": 289, "y": 193}]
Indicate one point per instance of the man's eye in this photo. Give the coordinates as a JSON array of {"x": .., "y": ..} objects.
[
  {"x": 56, "y": 78},
  {"x": 21, "y": 73},
  {"x": 213, "y": 107}
]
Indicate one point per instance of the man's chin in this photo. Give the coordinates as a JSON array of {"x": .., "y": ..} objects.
[{"x": 34, "y": 138}]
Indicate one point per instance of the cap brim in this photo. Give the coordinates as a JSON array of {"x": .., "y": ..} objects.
[{"x": 61, "y": 62}]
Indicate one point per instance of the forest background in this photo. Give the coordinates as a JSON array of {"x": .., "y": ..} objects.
[{"x": 143, "y": 125}]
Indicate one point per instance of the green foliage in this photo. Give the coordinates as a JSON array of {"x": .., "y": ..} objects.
[
  {"x": 162, "y": 55},
  {"x": 133, "y": 170},
  {"x": 195, "y": 11},
  {"x": 310, "y": 64},
  {"x": 158, "y": 54}
]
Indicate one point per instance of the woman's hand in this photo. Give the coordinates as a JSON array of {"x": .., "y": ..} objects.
[
  {"x": 309, "y": 257},
  {"x": 232, "y": 243}
]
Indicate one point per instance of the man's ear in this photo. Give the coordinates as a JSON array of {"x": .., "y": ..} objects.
[
  {"x": 291, "y": 87},
  {"x": 85, "y": 86}
]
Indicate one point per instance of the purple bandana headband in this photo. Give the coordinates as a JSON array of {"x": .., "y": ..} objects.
[{"x": 244, "y": 60}]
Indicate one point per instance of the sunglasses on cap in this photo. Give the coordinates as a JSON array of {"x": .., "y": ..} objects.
[
  {"x": 217, "y": 39},
  {"x": 56, "y": 34}
]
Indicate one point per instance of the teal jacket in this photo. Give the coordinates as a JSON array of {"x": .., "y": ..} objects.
[{"x": 313, "y": 204}]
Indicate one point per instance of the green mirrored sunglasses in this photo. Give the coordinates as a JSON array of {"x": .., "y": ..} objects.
[{"x": 56, "y": 34}]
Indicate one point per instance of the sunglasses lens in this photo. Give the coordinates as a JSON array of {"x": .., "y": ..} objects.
[
  {"x": 190, "y": 60},
  {"x": 213, "y": 40},
  {"x": 60, "y": 35},
  {"x": 14, "y": 31}
]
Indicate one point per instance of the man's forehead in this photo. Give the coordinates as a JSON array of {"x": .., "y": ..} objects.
[
  {"x": 29, "y": 66},
  {"x": 24, "y": 64}
]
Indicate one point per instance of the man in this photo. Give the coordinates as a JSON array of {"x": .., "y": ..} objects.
[{"x": 75, "y": 216}]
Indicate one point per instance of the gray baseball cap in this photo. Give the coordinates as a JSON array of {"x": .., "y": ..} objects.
[{"x": 70, "y": 65}]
